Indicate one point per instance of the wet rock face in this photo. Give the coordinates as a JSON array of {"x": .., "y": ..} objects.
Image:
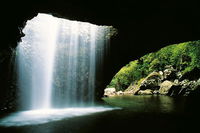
[{"x": 8, "y": 91}]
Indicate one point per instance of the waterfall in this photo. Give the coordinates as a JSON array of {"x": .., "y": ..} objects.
[
  {"x": 57, "y": 60},
  {"x": 57, "y": 63}
]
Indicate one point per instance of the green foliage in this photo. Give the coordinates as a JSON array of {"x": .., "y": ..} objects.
[
  {"x": 123, "y": 78},
  {"x": 183, "y": 57}
]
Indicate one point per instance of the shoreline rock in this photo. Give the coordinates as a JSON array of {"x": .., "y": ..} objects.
[
  {"x": 167, "y": 82},
  {"x": 165, "y": 87}
]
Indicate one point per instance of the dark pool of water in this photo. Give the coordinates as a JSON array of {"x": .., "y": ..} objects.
[{"x": 160, "y": 114}]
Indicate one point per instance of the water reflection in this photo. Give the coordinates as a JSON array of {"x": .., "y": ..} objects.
[
  {"x": 145, "y": 103},
  {"x": 137, "y": 111}
]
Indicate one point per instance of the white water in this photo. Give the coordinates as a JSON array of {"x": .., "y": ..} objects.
[
  {"x": 57, "y": 60},
  {"x": 35, "y": 58},
  {"x": 35, "y": 117},
  {"x": 56, "y": 66}
]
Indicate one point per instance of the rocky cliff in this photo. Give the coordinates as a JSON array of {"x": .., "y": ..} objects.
[{"x": 173, "y": 70}]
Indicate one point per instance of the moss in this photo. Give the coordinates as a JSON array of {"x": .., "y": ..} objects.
[
  {"x": 184, "y": 57},
  {"x": 140, "y": 81}
]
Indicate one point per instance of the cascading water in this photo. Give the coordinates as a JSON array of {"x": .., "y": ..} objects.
[
  {"x": 56, "y": 62},
  {"x": 35, "y": 62}
]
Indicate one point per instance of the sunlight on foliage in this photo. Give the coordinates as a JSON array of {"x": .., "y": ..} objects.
[{"x": 184, "y": 57}]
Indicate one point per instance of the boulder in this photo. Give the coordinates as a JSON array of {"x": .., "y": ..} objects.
[
  {"x": 165, "y": 87},
  {"x": 119, "y": 93},
  {"x": 156, "y": 92},
  {"x": 109, "y": 92},
  {"x": 183, "y": 88},
  {"x": 152, "y": 81},
  {"x": 145, "y": 92}
]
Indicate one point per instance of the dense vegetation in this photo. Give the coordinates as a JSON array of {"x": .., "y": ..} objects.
[{"x": 184, "y": 57}]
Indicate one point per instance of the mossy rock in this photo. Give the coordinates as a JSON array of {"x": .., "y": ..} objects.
[{"x": 184, "y": 58}]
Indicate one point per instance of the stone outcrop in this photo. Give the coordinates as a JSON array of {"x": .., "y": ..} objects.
[
  {"x": 170, "y": 82},
  {"x": 119, "y": 93},
  {"x": 165, "y": 87},
  {"x": 145, "y": 92},
  {"x": 175, "y": 63},
  {"x": 109, "y": 92},
  {"x": 169, "y": 73},
  {"x": 152, "y": 81},
  {"x": 167, "y": 82}
]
